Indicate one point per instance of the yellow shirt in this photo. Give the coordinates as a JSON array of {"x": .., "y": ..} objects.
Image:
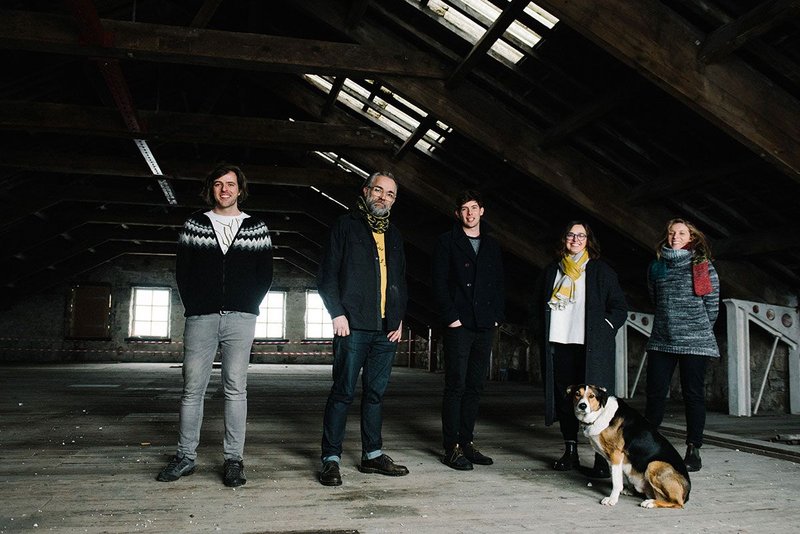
[{"x": 380, "y": 243}]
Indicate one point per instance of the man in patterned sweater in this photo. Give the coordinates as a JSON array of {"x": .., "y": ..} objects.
[{"x": 223, "y": 270}]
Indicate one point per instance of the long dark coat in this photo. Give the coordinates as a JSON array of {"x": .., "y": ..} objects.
[{"x": 604, "y": 301}]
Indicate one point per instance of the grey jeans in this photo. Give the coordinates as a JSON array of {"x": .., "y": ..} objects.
[{"x": 232, "y": 333}]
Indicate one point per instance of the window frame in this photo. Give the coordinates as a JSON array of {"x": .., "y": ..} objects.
[
  {"x": 132, "y": 310},
  {"x": 263, "y": 313},
  {"x": 322, "y": 324}
]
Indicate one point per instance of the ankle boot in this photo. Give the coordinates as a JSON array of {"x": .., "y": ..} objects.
[
  {"x": 570, "y": 458},
  {"x": 692, "y": 458},
  {"x": 600, "y": 469}
]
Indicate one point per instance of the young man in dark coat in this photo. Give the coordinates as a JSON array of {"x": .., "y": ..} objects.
[
  {"x": 362, "y": 282},
  {"x": 470, "y": 300}
]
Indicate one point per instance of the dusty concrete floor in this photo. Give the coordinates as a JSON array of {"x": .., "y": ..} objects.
[{"x": 81, "y": 445}]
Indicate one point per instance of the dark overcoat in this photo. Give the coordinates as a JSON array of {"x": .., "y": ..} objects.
[
  {"x": 605, "y": 303},
  {"x": 468, "y": 286},
  {"x": 349, "y": 276}
]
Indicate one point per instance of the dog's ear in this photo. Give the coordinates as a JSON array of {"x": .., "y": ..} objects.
[
  {"x": 602, "y": 395},
  {"x": 570, "y": 389}
]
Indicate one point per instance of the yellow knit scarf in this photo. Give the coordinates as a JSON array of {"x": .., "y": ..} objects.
[
  {"x": 564, "y": 290},
  {"x": 377, "y": 223}
]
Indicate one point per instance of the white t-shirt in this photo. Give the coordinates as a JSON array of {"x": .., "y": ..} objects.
[
  {"x": 226, "y": 227},
  {"x": 568, "y": 326}
]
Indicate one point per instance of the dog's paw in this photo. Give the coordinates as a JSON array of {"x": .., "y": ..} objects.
[
  {"x": 609, "y": 501},
  {"x": 648, "y": 503},
  {"x": 627, "y": 492}
]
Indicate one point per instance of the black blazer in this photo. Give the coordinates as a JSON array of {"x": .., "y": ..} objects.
[
  {"x": 349, "y": 275},
  {"x": 468, "y": 286}
]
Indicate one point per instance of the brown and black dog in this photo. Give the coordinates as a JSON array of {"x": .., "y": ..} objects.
[{"x": 633, "y": 447}]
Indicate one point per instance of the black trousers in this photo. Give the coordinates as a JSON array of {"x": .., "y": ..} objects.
[
  {"x": 660, "y": 367},
  {"x": 569, "y": 368},
  {"x": 466, "y": 364}
]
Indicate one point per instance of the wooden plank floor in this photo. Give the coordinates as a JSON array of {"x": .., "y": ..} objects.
[{"x": 81, "y": 445}]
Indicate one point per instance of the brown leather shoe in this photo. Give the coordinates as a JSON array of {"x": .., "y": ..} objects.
[{"x": 383, "y": 465}]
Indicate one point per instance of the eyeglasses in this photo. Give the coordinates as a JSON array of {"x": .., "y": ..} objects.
[
  {"x": 378, "y": 191},
  {"x": 576, "y": 237}
]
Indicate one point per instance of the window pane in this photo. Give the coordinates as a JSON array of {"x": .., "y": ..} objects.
[
  {"x": 150, "y": 312},
  {"x": 318, "y": 321},
  {"x": 270, "y": 323},
  {"x": 159, "y": 329},
  {"x": 161, "y": 314}
]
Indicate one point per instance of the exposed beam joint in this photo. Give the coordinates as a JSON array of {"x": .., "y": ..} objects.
[
  {"x": 333, "y": 94},
  {"x": 663, "y": 47},
  {"x": 590, "y": 112},
  {"x": 426, "y": 124},
  {"x": 491, "y": 35},
  {"x": 726, "y": 39}
]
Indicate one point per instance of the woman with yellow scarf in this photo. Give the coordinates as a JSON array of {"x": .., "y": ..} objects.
[{"x": 578, "y": 306}]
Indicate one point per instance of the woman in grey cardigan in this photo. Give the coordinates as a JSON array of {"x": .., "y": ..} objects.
[{"x": 684, "y": 287}]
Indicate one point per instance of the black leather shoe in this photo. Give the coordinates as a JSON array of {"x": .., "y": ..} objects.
[
  {"x": 330, "y": 475},
  {"x": 233, "y": 473},
  {"x": 383, "y": 465},
  {"x": 692, "y": 459},
  {"x": 600, "y": 469},
  {"x": 176, "y": 468},
  {"x": 475, "y": 456},
  {"x": 570, "y": 459},
  {"x": 454, "y": 458}
]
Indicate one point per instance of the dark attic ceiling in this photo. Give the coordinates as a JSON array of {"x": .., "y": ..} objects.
[{"x": 624, "y": 114}]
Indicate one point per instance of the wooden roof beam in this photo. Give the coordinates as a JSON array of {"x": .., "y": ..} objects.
[
  {"x": 188, "y": 127},
  {"x": 590, "y": 112},
  {"x": 70, "y": 162},
  {"x": 662, "y": 46},
  {"x": 471, "y": 112},
  {"x": 500, "y": 25},
  {"x": 726, "y": 39},
  {"x": 675, "y": 183},
  {"x": 221, "y": 49}
]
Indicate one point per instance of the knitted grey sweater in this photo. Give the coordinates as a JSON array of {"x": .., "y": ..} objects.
[{"x": 683, "y": 321}]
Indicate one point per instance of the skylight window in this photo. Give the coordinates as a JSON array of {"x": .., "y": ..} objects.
[
  {"x": 472, "y": 18},
  {"x": 387, "y": 109}
]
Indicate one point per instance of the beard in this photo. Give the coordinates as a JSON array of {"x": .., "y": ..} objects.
[{"x": 378, "y": 211}]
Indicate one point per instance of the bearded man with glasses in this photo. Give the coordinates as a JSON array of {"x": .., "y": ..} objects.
[{"x": 362, "y": 281}]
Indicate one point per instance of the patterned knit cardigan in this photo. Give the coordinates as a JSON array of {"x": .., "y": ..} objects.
[
  {"x": 684, "y": 321},
  {"x": 210, "y": 281}
]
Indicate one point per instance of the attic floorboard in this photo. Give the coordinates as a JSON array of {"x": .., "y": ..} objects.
[{"x": 81, "y": 445}]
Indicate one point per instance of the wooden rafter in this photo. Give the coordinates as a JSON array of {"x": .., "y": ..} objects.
[
  {"x": 663, "y": 47},
  {"x": 63, "y": 161},
  {"x": 500, "y": 25},
  {"x": 187, "y": 127},
  {"x": 172, "y": 44},
  {"x": 729, "y": 37}
]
